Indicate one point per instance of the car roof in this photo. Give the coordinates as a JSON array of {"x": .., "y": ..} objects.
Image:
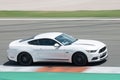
[{"x": 51, "y": 35}]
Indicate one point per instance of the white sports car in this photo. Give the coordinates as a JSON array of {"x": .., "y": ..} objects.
[{"x": 56, "y": 47}]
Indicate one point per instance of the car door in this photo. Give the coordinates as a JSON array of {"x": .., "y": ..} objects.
[{"x": 48, "y": 52}]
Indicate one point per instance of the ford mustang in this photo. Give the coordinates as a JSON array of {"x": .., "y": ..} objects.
[{"x": 56, "y": 47}]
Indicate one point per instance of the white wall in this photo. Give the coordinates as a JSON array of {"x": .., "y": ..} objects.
[{"x": 59, "y": 5}]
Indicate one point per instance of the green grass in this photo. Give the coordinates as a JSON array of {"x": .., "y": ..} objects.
[{"x": 64, "y": 14}]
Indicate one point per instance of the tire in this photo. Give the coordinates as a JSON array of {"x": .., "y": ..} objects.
[
  {"x": 24, "y": 59},
  {"x": 79, "y": 59}
]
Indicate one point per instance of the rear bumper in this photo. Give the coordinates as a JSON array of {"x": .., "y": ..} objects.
[{"x": 12, "y": 56}]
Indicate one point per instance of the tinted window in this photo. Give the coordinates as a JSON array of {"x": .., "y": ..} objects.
[
  {"x": 34, "y": 42},
  {"x": 47, "y": 42}
]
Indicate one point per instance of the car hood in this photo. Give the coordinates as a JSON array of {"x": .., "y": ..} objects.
[{"x": 89, "y": 44}]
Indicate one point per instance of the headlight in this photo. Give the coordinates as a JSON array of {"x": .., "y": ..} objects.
[{"x": 91, "y": 51}]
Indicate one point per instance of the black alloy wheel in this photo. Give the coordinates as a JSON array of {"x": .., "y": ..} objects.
[
  {"x": 79, "y": 59},
  {"x": 24, "y": 59}
]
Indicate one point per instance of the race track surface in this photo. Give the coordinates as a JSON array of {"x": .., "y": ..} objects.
[{"x": 107, "y": 31}]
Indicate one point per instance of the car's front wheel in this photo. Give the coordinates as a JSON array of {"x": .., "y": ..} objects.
[
  {"x": 79, "y": 59},
  {"x": 24, "y": 59}
]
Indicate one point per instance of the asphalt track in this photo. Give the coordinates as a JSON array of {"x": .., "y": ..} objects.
[{"x": 107, "y": 31}]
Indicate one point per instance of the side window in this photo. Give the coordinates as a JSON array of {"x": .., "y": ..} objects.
[
  {"x": 34, "y": 42},
  {"x": 44, "y": 42},
  {"x": 47, "y": 42}
]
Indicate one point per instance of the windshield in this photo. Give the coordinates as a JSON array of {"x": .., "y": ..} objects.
[{"x": 65, "y": 39}]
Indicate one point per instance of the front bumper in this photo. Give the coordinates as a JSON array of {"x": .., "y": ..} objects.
[{"x": 96, "y": 57}]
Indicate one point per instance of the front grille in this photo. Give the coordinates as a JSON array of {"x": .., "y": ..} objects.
[{"x": 102, "y": 50}]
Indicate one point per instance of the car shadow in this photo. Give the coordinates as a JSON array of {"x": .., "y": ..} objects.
[{"x": 54, "y": 64}]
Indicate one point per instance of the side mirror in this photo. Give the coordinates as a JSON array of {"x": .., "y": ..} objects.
[{"x": 56, "y": 45}]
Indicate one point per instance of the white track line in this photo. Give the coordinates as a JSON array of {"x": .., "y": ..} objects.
[
  {"x": 113, "y": 70},
  {"x": 68, "y": 19},
  {"x": 17, "y": 69}
]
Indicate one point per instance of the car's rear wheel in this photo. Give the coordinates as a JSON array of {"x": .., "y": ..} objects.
[
  {"x": 79, "y": 59},
  {"x": 24, "y": 59}
]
